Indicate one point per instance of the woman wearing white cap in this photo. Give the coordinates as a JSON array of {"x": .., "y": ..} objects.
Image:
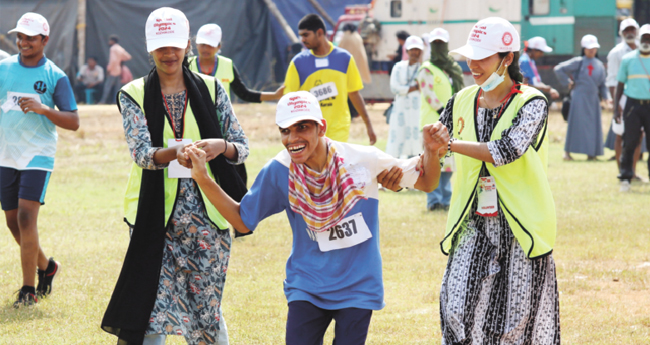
[
  {"x": 585, "y": 76},
  {"x": 175, "y": 268},
  {"x": 499, "y": 286},
  {"x": 404, "y": 131},
  {"x": 208, "y": 44}
]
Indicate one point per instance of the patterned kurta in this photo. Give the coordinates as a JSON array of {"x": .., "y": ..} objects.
[
  {"x": 491, "y": 292},
  {"x": 196, "y": 252}
]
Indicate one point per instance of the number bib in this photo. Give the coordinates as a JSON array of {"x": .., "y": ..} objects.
[
  {"x": 347, "y": 233},
  {"x": 14, "y": 97},
  {"x": 325, "y": 91}
]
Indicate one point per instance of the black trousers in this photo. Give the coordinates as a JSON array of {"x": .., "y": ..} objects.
[{"x": 636, "y": 116}]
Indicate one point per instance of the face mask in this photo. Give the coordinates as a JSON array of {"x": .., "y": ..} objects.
[
  {"x": 645, "y": 48},
  {"x": 630, "y": 38},
  {"x": 494, "y": 80}
]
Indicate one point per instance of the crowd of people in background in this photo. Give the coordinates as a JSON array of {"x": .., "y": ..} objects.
[{"x": 188, "y": 150}]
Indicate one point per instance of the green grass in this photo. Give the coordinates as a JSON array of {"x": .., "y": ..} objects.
[{"x": 602, "y": 252}]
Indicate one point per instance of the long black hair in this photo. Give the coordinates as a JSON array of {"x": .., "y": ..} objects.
[{"x": 513, "y": 70}]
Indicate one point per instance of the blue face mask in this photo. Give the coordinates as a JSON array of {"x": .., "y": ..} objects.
[{"x": 494, "y": 80}]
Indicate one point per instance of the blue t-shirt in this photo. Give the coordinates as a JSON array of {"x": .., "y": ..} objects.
[
  {"x": 28, "y": 141},
  {"x": 343, "y": 278},
  {"x": 529, "y": 69},
  {"x": 634, "y": 76}
]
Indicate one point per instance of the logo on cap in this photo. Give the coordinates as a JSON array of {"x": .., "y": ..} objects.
[
  {"x": 507, "y": 39},
  {"x": 45, "y": 27}
]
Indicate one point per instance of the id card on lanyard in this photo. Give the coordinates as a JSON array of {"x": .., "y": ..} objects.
[
  {"x": 175, "y": 170},
  {"x": 487, "y": 197}
]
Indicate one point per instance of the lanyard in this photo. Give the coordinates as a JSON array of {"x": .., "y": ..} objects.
[
  {"x": 171, "y": 120},
  {"x": 512, "y": 93}
]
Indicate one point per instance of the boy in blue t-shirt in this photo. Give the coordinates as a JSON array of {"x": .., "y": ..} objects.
[
  {"x": 30, "y": 87},
  {"x": 328, "y": 190}
]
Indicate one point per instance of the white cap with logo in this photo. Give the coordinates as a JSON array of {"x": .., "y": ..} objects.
[
  {"x": 439, "y": 34},
  {"x": 32, "y": 24},
  {"x": 488, "y": 37},
  {"x": 167, "y": 27},
  {"x": 589, "y": 42},
  {"x": 413, "y": 42},
  {"x": 209, "y": 34},
  {"x": 626, "y": 23},
  {"x": 645, "y": 29},
  {"x": 539, "y": 43},
  {"x": 297, "y": 106}
]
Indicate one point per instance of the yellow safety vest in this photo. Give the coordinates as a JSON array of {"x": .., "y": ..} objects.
[
  {"x": 443, "y": 90},
  {"x": 225, "y": 73},
  {"x": 135, "y": 89},
  {"x": 523, "y": 191}
]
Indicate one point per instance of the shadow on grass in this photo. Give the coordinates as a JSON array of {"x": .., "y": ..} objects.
[{"x": 9, "y": 314}]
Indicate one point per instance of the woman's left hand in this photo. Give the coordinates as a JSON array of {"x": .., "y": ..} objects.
[{"x": 211, "y": 147}]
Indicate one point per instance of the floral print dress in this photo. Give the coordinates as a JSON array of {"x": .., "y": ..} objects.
[{"x": 196, "y": 253}]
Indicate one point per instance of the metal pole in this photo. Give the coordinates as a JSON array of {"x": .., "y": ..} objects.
[
  {"x": 285, "y": 26},
  {"x": 81, "y": 32},
  {"x": 322, "y": 12}
]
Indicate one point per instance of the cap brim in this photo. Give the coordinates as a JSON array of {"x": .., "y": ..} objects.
[
  {"x": 289, "y": 122},
  {"x": 414, "y": 46},
  {"x": 546, "y": 49},
  {"x": 472, "y": 52},
  {"x": 591, "y": 46},
  {"x": 201, "y": 40},
  {"x": 444, "y": 39},
  {"x": 26, "y": 32},
  {"x": 154, "y": 44}
]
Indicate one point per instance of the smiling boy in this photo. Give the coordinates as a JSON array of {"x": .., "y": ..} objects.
[
  {"x": 30, "y": 86},
  {"x": 328, "y": 190}
]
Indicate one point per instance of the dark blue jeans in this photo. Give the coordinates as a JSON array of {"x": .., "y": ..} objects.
[
  {"x": 636, "y": 116},
  {"x": 307, "y": 323}
]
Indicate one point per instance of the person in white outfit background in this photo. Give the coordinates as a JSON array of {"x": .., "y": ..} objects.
[{"x": 404, "y": 130}]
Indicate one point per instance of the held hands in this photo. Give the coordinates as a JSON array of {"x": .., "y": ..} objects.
[
  {"x": 554, "y": 94},
  {"x": 435, "y": 138},
  {"x": 210, "y": 147},
  {"x": 390, "y": 178},
  {"x": 197, "y": 159},
  {"x": 29, "y": 104}
]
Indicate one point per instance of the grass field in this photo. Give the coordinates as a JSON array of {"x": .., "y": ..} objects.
[{"x": 602, "y": 252}]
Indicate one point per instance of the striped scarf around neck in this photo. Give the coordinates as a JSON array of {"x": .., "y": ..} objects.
[{"x": 323, "y": 198}]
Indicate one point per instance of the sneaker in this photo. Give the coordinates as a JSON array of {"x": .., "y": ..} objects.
[
  {"x": 46, "y": 277},
  {"x": 625, "y": 186},
  {"x": 436, "y": 206},
  {"x": 25, "y": 299}
]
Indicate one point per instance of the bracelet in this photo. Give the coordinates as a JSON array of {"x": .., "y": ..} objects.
[
  {"x": 451, "y": 140},
  {"x": 226, "y": 148}
]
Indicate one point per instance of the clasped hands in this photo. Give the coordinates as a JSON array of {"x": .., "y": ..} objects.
[{"x": 207, "y": 149}]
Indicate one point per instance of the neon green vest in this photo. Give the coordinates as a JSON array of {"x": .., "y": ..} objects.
[
  {"x": 135, "y": 89},
  {"x": 443, "y": 90},
  {"x": 225, "y": 73},
  {"x": 524, "y": 194}
]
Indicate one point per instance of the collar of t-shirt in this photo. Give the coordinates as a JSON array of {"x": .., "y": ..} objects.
[
  {"x": 328, "y": 53},
  {"x": 40, "y": 63}
]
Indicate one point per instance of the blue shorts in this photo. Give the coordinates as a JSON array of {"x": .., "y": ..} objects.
[
  {"x": 22, "y": 184},
  {"x": 307, "y": 323}
]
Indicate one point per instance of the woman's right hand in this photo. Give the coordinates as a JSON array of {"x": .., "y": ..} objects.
[{"x": 182, "y": 157}]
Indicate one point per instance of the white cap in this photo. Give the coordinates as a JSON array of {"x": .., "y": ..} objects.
[
  {"x": 618, "y": 128},
  {"x": 626, "y": 23},
  {"x": 589, "y": 41},
  {"x": 439, "y": 34},
  {"x": 413, "y": 42},
  {"x": 297, "y": 106},
  {"x": 645, "y": 29},
  {"x": 488, "y": 37},
  {"x": 167, "y": 27},
  {"x": 209, "y": 34},
  {"x": 32, "y": 24},
  {"x": 539, "y": 43}
]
